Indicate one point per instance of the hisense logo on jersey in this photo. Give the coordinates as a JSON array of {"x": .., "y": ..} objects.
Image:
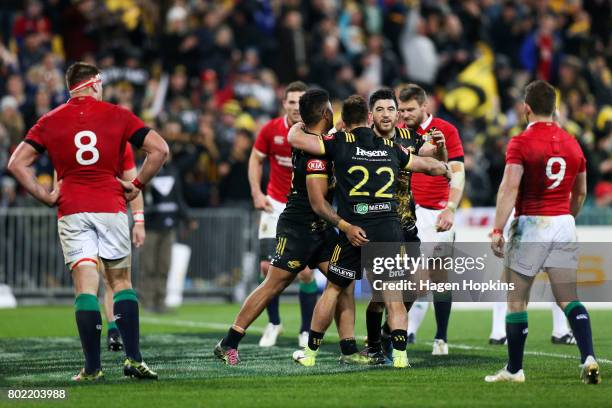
[
  {"x": 371, "y": 153},
  {"x": 364, "y": 208}
]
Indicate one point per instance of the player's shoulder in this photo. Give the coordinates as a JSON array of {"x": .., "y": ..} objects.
[
  {"x": 55, "y": 113},
  {"x": 443, "y": 124},
  {"x": 402, "y": 133}
]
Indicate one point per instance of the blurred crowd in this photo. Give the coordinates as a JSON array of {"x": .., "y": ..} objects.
[{"x": 209, "y": 74}]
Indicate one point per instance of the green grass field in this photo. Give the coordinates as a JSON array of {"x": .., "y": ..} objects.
[{"x": 39, "y": 348}]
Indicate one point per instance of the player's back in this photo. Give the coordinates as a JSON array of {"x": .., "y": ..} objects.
[
  {"x": 85, "y": 139},
  {"x": 551, "y": 159}
]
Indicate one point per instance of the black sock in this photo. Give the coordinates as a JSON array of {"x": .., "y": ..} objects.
[
  {"x": 442, "y": 308},
  {"x": 348, "y": 346},
  {"x": 580, "y": 322},
  {"x": 308, "y": 301},
  {"x": 399, "y": 338},
  {"x": 386, "y": 330},
  {"x": 126, "y": 315},
  {"x": 315, "y": 339},
  {"x": 272, "y": 309},
  {"x": 232, "y": 339},
  {"x": 89, "y": 323},
  {"x": 373, "y": 322},
  {"x": 516, "y": 333}
]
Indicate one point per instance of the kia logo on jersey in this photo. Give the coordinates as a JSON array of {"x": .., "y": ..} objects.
[
  {"x": 279, "y": 140},
  {"x": 315, "y": 165}
]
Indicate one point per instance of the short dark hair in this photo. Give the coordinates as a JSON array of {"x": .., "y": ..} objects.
[
  {"x": 541, "y": 97},
  {"x": 412, "y": 91},
  {"x": 297, "y": 86},
  {"x": 354, "y": 110},
  {"x": 80, "y": 71},
  {"x": 312, "y": 104},
  {"x": 382, "y": 94}
]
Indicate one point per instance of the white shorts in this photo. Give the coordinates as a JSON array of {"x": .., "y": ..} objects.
[
  {"x": 537, "y": 242},
  {"x": 93, "y": 235},
  {"x": 268, "y": 220},
  {"x": 426, "y": 224}
]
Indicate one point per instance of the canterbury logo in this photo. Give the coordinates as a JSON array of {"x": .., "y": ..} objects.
[
  {"x": 371, "y": 153},
  {"x": 315, "y": 165},
  {"x": 525, "y": 331},
  {"x": 280, "y": 246},
  {"x": 582, "y": 317},
  {"x": 117, "y": 317}
]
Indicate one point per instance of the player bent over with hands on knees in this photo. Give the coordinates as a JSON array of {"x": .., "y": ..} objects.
[
  {"x": 364, "y": 165},
  {"x": 86, "y": 139},
  {"x": 303, "y": 239},
  {"x": 545, "y": 180}
]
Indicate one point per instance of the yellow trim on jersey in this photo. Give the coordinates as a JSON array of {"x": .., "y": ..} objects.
[
  {"x": 350, "y": 138},
  {"x": 407, "y": 167},
  {"x": 335, "y": 255},
  {"x": 322, "y": 145},
  {"x": 280, "y": 246},
  {"x": 317, "y": 175},
  {"x": 388, "y": 142}
]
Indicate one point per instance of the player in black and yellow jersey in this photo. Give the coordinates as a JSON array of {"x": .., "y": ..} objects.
[
  {"x": 366, "y": 168},
  {"x": 302, "y": 238},
  {"x": 384, "y": 125}
]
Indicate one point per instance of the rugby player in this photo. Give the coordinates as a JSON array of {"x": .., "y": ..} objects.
[
  {"x": 545, "y": 181},
  {"x": 366, "y": 168},
  {"x": 436, "y": 203},
  {"x": 85, "y": 139},
  {"x": 302, "y": 239},
  {"x": 271, "y": 144},
  {"x": 384, "y": 125}
]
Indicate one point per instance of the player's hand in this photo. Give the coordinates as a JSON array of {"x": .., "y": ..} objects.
[
  {"x": 261, "y": 202},
  {"x": 53, "y": 196},
  {"x": 129, "y": 190},
  {"x": 497, "y": 244},
  {"x": 293, "y": 130},
  {"x": 445, "y": 220},
  {"x": 437, "y": 138},
  {"x": 356, "y": 236},
  {"x": 138, "y": 234},
  {"x": 339, "y": 125}
]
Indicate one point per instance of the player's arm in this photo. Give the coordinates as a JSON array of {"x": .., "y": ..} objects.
[
  {"x": 137, "y": 207},
  {"x": 457, "y": 183},
  {"x": 579, "y": 192},
  {"x": 506, "y": 199},
  {"x": 20, "y": 166},
  {"x": 317, "y": 191},
  {"x": 256, "y": 162},
  {"x": 298, "y": 139},
  {"x": 429, "y": 166},
  {"x": 157, "y": 153}
]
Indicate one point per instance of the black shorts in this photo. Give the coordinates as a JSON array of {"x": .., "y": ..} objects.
[
  {"x": 345, "y": 262},
  {"x": 298, "y": 246},
  {"x": 266, "y": 249}
]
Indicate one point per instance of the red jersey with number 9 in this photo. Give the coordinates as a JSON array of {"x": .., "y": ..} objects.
[
  {"x": 551, "y": 159},
  {"x": 86, "y": 141}
]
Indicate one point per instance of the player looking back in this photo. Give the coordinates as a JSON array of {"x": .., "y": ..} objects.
[
  {"x": 86, "y": 139},
  {"x": 545, "y": 180}
]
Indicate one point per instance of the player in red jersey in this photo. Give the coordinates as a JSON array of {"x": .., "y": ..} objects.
[
  {"x": 271, "y": 144},
  {"x": 545, "y": 181},
  {"x": 436, "y": 202},
  {"x": 85, "y": 139}
]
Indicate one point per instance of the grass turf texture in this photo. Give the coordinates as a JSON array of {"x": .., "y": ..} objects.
[{"x": 39, "y": 348}]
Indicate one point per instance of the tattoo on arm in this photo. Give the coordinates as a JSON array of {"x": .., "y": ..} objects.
[{"x": 327, "y": 212}]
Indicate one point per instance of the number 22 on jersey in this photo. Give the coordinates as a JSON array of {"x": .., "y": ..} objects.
[
  {"x": 89, "y": 147},
  {"x": 366, "y": 176}
]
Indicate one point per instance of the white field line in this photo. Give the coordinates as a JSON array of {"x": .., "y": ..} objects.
[
  {"x": 257, "y": 329},
  {"x": 530, "y": 353}
]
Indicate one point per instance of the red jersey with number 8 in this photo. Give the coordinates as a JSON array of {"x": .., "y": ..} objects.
[
  {"x": 86, "y": 141},
  {"x": 551, "y": 159}
]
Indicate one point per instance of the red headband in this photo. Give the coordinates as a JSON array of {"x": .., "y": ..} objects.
[{"x": 97, "y": 79}]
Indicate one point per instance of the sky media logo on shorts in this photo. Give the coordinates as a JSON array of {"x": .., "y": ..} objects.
[{"x": 364, "y": 208}]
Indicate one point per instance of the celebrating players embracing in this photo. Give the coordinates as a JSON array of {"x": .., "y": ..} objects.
[
  {"x": 86, "y": 139},
  {"x": 545, "y": 181}
]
